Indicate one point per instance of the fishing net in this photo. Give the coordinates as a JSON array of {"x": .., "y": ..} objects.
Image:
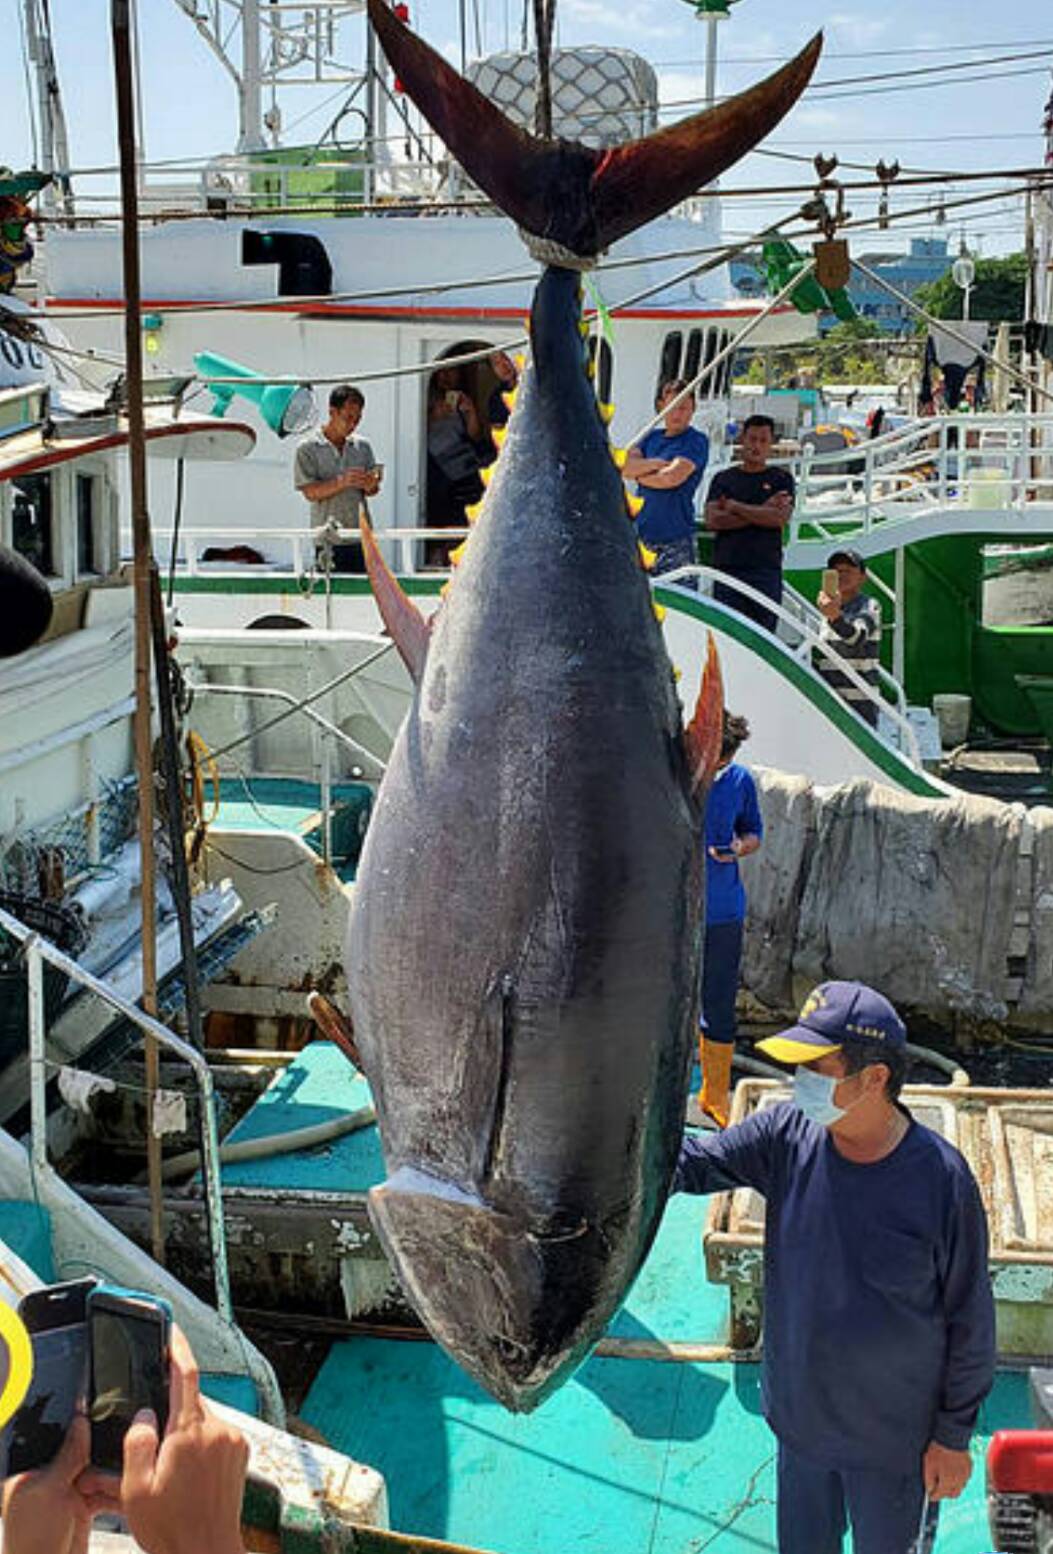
[{"x": 599, "y": 96}]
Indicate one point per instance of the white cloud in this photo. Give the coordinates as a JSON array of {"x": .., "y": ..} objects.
[
  {"x": 635, "y": 20},
  {"x": 857, "y": 28},
  {"x": 816, "y": 118}
]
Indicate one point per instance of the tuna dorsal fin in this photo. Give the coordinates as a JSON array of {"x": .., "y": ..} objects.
[
  {"x": 573, "y": 195},
  {"x": 704, "y": 735},
  {"x": 408, "y": 627}
]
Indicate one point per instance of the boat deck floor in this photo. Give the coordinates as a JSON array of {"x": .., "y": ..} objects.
[
  {"x": 294, "y": 805},
  {"x": 629, "y": 1457}
]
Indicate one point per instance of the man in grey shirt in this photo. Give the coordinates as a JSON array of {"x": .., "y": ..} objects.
[{"x": 336, "y": 471}]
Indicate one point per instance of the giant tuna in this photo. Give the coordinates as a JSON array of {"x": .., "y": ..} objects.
[{"x": 523, "y": 949}]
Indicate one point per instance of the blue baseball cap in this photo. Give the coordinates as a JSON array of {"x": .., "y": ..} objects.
[{"x": 835, "y": 1013}]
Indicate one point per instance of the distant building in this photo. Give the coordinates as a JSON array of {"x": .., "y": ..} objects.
[{"x": 926, "y": 261}]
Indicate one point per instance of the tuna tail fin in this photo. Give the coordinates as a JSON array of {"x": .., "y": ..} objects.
[
  {"x": 408, "y": 627},
  {"x": 580, "y": 198},
  {"x": 704, "y": 735}
]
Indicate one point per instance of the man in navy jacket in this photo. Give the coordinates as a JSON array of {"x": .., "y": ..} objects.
[{"x": 879, "y": 1343}]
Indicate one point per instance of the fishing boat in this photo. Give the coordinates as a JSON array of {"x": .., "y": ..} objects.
[{"x": 657, "y": 1442}]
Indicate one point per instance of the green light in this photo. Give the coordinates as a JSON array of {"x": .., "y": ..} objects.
[
  {"x": 716, "y": 9},
  {"x": 287, "y": 408}
]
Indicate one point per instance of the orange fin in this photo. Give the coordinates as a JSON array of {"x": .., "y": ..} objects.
[
  {"x": 334, "y": 1025},
  {"x": 408, "y": 627},
  {"x": 704, "y": 735}
]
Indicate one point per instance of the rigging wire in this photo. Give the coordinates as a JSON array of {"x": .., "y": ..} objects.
[
  {"x": 432, "y": 288},
  {"x": 936, "y": 48}
]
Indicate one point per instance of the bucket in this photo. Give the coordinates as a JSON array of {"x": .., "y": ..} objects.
[
  {"x": 989, "y": 487},
  {"x": 952, "y": 714}
]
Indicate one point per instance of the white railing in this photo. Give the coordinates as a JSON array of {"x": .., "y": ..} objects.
[
  {"x": 298, "y": 553},
  {"x": 797, "y": 637},
  {"x": 983, "y": 463},
  {"x": 37, "y": 950}
]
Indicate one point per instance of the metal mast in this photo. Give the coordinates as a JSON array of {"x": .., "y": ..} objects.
[
  {"x": 54, "y": 141},
  {"x": 270, "y": 44}
]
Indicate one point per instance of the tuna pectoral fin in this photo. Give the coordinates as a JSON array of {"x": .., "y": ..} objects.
[
  {"x": 334, "y": 1026},
  {"x": 705, "y": 733},
  {"x": 581, "y": 198},
  {"x": 409, "y": 630}
]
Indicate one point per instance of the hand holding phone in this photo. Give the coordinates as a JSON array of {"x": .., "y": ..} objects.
[
  {"x": 725, "y": 854},
  {"x": 56, "y": 1320},
  {"x": 831, "y": 584},
  {"x": 182, "y": 1489},
  {"x": 129, "y": 1337},
  {"x": 50, "y": 1510}
]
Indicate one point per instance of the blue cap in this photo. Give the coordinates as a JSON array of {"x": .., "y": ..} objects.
[{"x": 835, "y": 1013}]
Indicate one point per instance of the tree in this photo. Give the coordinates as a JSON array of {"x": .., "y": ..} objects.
[{"x": 997, "y": 293}]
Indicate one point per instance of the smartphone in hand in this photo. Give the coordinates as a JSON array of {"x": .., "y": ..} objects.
[
  {"x": 129, "y": 1337},
  {"x": 56, "y": 1320},
  {"x": 831, "y": 584}
]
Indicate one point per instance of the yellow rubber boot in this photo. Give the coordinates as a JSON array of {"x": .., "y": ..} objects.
[{"x": 714, "y": 1098}]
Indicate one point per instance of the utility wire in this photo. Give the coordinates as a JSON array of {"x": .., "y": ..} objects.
[
  {"x": 432, "y": 288},
  {"x": 940, "y": 48}
]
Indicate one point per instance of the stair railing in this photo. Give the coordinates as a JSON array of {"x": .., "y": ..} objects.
[
  {"x": 800, "y": 641},
  {"x": 37, "y": 950}
]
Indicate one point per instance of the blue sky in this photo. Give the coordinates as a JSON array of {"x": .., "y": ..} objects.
[{"x": 189, "y": 102}]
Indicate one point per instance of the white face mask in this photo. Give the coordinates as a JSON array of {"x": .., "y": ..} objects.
[{"x": 813, "y": 1094}]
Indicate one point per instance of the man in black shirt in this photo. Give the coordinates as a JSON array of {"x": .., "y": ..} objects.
[{"x": 747, "y": 509}]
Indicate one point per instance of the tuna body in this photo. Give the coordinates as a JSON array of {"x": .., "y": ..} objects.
[{"x": 523, "y": 947}]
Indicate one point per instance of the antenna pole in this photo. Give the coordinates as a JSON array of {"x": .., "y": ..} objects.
[{"x": 120, "y": 22}]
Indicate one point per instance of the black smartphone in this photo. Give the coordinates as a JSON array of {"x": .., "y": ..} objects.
[
  {"x": 56, "y": 1320},
  {"x": 129, "y": 1335}
]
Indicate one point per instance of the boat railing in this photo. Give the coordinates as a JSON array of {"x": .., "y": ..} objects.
[
  {"x": 297, "y": 552},
  {"x": 812, "y": 619},
  {"x": 37, "y": 951},
  {"x": 330, "y": 733},
  {"x": 797, "y": 636},
  {"x": 985, "y": 463}
]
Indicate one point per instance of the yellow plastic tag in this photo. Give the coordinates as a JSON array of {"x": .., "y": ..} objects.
[{"x": 16, "y": 1362}]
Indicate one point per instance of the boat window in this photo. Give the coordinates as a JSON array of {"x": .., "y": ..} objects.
[
  {"x": 88, "y": 559},
  {"x": 605, "y": 373},
  {"x": 724, "y": 370},
  {"x": 31, "y": 521},
  {"x": 693, "y": 355},
  {"x": 669, "y": 361},
  {"x": 708, "y": 388}
]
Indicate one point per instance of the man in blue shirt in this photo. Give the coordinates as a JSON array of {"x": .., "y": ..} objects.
[
  {"x": 668, "y": 464},
  {"x": 879, "y": 1341},
  {"x": 734, "y": 829}
]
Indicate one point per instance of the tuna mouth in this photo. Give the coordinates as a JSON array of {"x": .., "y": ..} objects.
[{"x": 514, "y": 1309}]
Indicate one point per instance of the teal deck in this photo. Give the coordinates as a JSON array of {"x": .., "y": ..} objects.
[
  {"x": 629, "y": 1457},
  {"x": 289, "y": 804},
  {"x": 319, "y": 1085}
]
